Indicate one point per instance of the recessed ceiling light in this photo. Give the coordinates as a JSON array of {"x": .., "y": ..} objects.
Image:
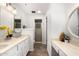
[{"x": 38, "y": 11}]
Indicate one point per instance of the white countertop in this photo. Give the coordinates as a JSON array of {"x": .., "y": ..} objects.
[
  {"x": 68, "y": 48},
  {"x": 8, "y": 44}
]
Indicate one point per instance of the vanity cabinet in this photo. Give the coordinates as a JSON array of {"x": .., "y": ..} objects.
[
  {"x": 26, "y": 47},
  {"x": 65, "y": 49},
  {"x": 23, "y": 48},
  {"x": 56, "y": 51},
  {"x": 11, "y": 52},
  {"x": 30, "y": 32},
  {"x": 20, "y": 49},
  {"x": 56, "y": 48},
  {"x": 61, "y": 53}
]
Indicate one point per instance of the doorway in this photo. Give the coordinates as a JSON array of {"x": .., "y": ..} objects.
[
  {"x": 38, "y": 31},
  {"x": 40, "y": 49}
]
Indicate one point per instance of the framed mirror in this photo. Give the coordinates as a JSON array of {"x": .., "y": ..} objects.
[{"x": 73, "y": 22}]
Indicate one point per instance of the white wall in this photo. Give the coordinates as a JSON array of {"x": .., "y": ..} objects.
[
  {"x": 28, "y": 20},
  {"x": 21, "y": 15},
  {"x": 56, "y": 21},
  {"x": 31, "y": 24}
]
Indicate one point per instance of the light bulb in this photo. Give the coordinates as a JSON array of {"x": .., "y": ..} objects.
[{"x": 39, "y": 11}]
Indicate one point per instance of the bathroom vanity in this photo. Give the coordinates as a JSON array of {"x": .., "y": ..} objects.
[
  {"x": 15, "y": 46},
  {"x": 65, "y": 49}
]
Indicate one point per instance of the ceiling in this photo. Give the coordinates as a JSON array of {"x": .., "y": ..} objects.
[{"x": 29, "y": 7}]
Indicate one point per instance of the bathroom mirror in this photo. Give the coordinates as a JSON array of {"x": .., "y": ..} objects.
[{"x": 73, "y": 22}]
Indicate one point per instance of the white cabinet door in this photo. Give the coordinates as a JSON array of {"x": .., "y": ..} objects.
[
  {"x": 23, "y": 48},
  {"x": 61, "y": 53},
  {"x": 56, "y": 48},
  {"x": 20, "y": 48},
  {"x": 11, "y": 52},
  {"x": 32, "y": 40},
  {"x": 30, "y": 32},
  {"x": 26, "y": 47}
]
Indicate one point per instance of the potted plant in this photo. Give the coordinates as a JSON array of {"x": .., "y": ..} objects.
[{"x": 9, "y": 31}]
